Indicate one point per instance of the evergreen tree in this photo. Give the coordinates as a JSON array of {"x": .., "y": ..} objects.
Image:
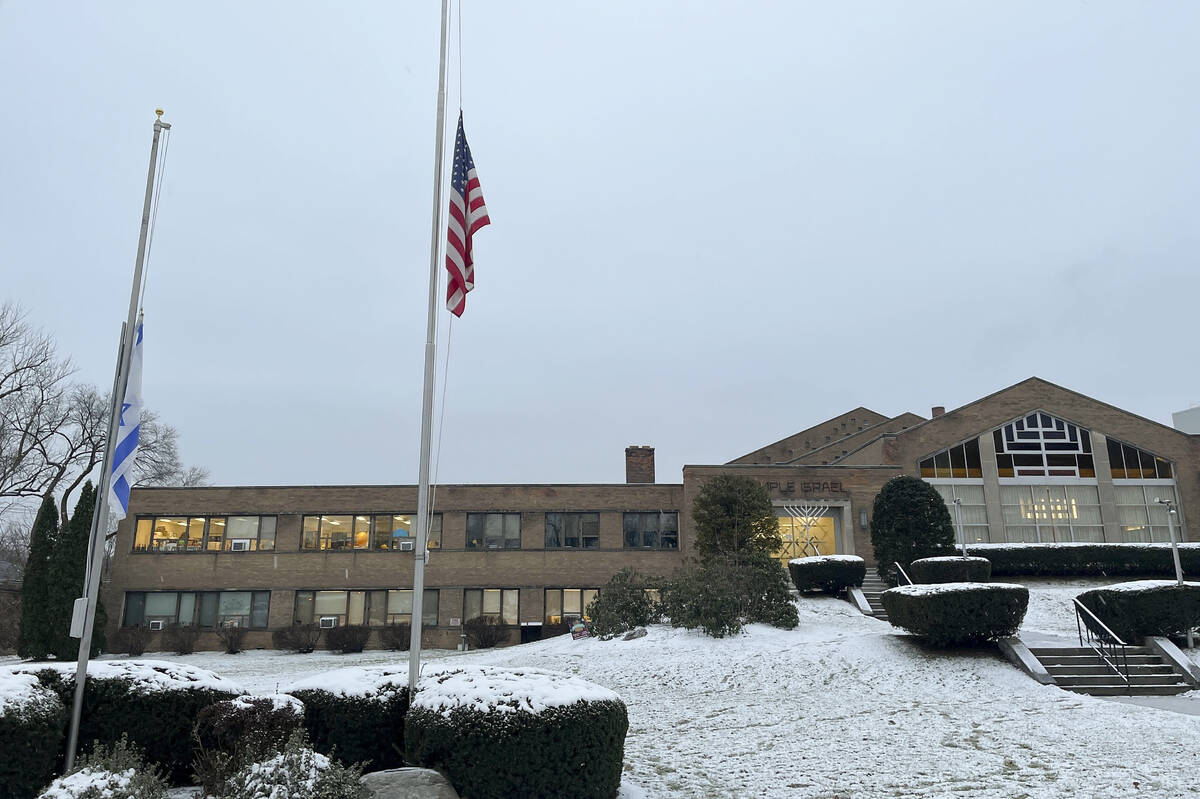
[
  {"x": 67, "y": 566},
  {"x": 733, "y": 514},
  {"x": 34, "y": 639},
  {"x": 909, "y": 522}
]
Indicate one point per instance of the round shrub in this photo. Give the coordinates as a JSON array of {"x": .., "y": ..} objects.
[
  {"x": 156, "y": 703},
  {"x": 348, "y": 638},
  {"x": 299, "y": 638},
  {"x": 953, "y": 569},
  {"x": 621, "y": 605},
  {"x": 957, "y": 614},
  {"x": 357, "y": 714},
  {"x": 497, "y": 733},
  {"x": 832, "y": 574},
  {"x": 32, "y": 722},
  {"x": 485, "y": 632},
  {"x": 1146, "y": 607},
  {"x": 230, "y": 734},
  {"x": 909, "y": 521}
]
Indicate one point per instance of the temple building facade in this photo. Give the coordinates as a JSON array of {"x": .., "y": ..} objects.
[{"x": 1034, "y": 462}]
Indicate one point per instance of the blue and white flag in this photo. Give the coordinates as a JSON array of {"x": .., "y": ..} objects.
[{"x": 127, "y": 434}]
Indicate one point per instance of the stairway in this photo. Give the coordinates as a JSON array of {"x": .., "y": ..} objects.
[
  {"x": 1081, "y": 670},
  {"x": 872, "y": 587}
]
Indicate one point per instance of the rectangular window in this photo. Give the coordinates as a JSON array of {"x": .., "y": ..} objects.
[
  {"x": 206, "y": 609},
  {"x": 566, "y": 605},
  {"x": 572, "y": 530},
  {"x": 399, "y": 607},
  {"x": 1051, "y": 513},
  {"x": 501, "y": 603},
  {"x": 174, "y": 534},
  {"x": 972, "y": 507},
  {"x": 651, "y": 530},
  {"x": 1143, "y": 519},
  {"x": 216, "y": 533},
  {"x": 493, "y": 531},
  {"x": 363, "y": 532}
]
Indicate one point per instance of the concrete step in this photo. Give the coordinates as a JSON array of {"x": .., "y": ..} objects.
[
  {"x": 1075, "y": 661},
  {"x": 1083, "y": 650},
  {"x": 1069, "y": 680},
  {"x": 1104, "y": 668},
  {"x": 1121, "y": 690}
]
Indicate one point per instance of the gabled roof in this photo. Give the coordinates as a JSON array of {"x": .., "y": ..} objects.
[{"x": 839, "y": 427}]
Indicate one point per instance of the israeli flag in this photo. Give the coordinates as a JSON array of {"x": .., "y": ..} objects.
[{"x": 127, "y": 434}]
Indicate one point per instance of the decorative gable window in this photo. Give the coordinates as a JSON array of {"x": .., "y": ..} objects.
[
  {"x": 1131, "y": 463},
  {"x": 1040, "y": 445},
  {"x": 961, "y": 461}
]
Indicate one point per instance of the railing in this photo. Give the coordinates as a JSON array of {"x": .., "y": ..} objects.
[
  {"x": 1111, "y": 649},
  {"x": 903, "y": 573}
]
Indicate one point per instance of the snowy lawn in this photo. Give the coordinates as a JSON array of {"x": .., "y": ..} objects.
[{"x": 842, "y": 706}]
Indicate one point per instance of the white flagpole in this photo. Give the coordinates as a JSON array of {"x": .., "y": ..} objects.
[
  {"x": 91, "y": 589},
  {"x": 421, "y": 553}
]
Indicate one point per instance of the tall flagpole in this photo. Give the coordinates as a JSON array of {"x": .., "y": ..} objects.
[
  {"x": 100, "y": 517},
  {"x": 421, "y": 553}
]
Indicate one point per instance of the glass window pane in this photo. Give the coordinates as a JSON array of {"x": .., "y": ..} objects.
[
  {"x": 491, "y": 600},
  {"x": 141, "y": 540},
  {"x": 512, "y": 531},
  {"x": 208, "y": 609},
  {"x": 927, "y": 469},
  {"x": 362, "y": 533},
  {"x": 336, "y": 532},
  {"x": 571, "y": 601},
  {"x": 170, "y": 534},
  {"x": 400, "y": 601},
  {"x": 234, "y": 603},
  {"x": 631, "y": 526},
  {"x": 476, "y": 523},
  {"x": 312, "y": 526},
  {"x": 266, "y": 533},
  {"x": 187, "y": 608},
  {"x": 974, "y": 464},
  {"x": 472, "y": 603},
  {"x": 509, "y": 614},
  {"x": 554, "y": 537},
  {"x": 941, "y": 462},
  {"x": 331, "y": 603},
  {"x": 429, "y": 607},
  {"x": 589, "y": 596},
  {"x": 434, "y": 537},
  {"x": 1129, "y": 495},
  {"x": 216, "y": 533},
  {"x": 161, "y": 605},
  {"x": 304, "y": 607},
  {"x": 571, "y": 537},
  {"x": 195, "y": 534},
  {"x": 358, "y": 607},
  {"x": 377, "y": 608},
  {"x": 553, "y": 605},
  {"x": 958, "y": 462},
  {"x": 135, "y": 609},
  {"x": 260, "y": 609},
  {"x": 238, "y": 527}
]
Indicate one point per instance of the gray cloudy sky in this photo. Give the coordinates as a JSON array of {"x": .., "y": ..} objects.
[{"x": 714, "y": 224}]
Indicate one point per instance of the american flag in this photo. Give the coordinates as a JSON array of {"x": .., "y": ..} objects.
[{"x": 467, "y": 215}]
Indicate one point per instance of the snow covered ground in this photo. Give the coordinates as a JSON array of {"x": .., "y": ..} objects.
[{"x": 843, "y": 706}]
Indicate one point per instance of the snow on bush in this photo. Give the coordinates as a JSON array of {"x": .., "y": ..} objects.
[
  {"x": 957, "y": 614},
  {"x": 1145, "y": 607},
  {"x": 1084, "y": 559},
  {"x": 295, "y": 773},
  {"x": 499, "y": 733},
  {"x": 32, "y": 721},
  {"x": 143, "y": 676},
  {"x": 230, "y": 734},
  {"x": 832, "y": 574},
  {"x": 116, "y": 773},
  {"x": 357, "y": 713},
  {"x": 950, "y": 570}
]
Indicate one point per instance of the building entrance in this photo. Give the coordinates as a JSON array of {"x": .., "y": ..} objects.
[{"x": 807, "y": 530}]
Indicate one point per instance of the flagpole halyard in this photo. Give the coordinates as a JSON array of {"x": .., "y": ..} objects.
[
  {"x": 131, "y": 332},
  {"x": 421, "y": 552}
]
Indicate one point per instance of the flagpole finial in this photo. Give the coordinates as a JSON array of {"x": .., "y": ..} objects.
[{"x": 158, "y": 112}]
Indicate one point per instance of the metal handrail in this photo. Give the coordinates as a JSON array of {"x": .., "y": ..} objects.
[
  {"x": 903, "y": 573},
  {"x": 1103, "y": 646}
]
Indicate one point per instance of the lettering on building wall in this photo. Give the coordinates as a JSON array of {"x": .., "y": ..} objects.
[{"x": 791, "y": 487}]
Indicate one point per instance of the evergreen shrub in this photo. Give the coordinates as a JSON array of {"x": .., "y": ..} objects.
[
  {"x": 951, "y": 569},
  {"x": 485, "y": 632},
  {"x": 299, "y": 638},
  {"x": 232, "y": 637},
  {"x": 33, "y": 720},
  {"x": 1100, "y": 560},
  {"x": 721, "y": 595},
  {"x": 155, "y": 703},
  {"x": 909, "y": 521},
  {"x": 181, "y": 638},
  {"x": 348, "y": 638},
  {"x": 396, "y": 636},
  {"x": 67, "y": 564},
  {"x": 363, "y": 721},
  {"x": 295, "y": 772},
  {"x": 116, "y": 772},
  {"x": 1148, "y": 607},
  {"x": 515, "y": 745},
  {"x": 957, "y": 614},
  {"x": 832, "y": 574},
  {"x": 232, "y": 733},
  {"x": 621, "y": 605}
]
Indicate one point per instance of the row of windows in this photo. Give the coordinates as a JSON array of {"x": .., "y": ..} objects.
[
  {"x": 394, "y": 531},
  {"x": 375, "y": 608},
  {"x": 200, "y": 608},
  {"x": 1037, "y": 513}
]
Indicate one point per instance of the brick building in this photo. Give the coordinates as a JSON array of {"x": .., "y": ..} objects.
[{"x": 1034, "y": 462}]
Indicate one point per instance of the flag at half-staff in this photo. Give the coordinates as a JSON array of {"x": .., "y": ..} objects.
[
  {"x": 127, "y": 433},
  {"x": 467, "y": 215}
]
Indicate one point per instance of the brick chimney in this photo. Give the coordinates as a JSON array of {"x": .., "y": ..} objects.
[
  {"x": 938, "y": 410},
  {"x": 639, "y": 464}
]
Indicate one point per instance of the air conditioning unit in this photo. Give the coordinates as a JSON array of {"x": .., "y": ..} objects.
[
  {"x": 328, "y": 622},
  {"x": 407, "y": 546},
  {"x": 239, "y": 545},
  {"x": 157, "y": 624}
]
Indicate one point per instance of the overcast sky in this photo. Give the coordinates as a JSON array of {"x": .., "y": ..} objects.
[{"x": 713, "y": 224}]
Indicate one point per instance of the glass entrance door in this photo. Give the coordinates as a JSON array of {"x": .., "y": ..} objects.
[{"x": 806, "y": 532}]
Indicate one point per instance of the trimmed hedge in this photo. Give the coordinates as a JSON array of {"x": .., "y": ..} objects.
[
  {"x": 156, "y": 704},
  {"x": 832, "y": 574},
  {"x": 950, "y": 570},
  {"x": 1100, "y": 560},
  {"x": 32, "y": 727},
  {"x": 518, "y": 747},
  {"x": 1147, "y": 607},
  {"x": 957, "y": 614},
  {"x": 364, "y": 725}
]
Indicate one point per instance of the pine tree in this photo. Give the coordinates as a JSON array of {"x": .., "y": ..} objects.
[
  {"x": 34, "y": 639},
  {"x": 67, "y": 566},
  {"x": 733, "y": 515}
]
